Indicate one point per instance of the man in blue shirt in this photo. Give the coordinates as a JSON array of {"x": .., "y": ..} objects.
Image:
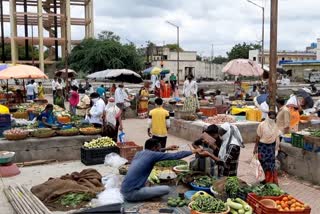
[
  {"x": 101, "y": 90},
  {"x": 133, "y": 186}
]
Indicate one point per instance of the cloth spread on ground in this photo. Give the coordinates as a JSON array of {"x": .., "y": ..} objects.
[{"x": 87, "y": 181}]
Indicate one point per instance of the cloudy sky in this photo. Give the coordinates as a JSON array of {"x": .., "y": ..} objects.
[
  {"x": 205, "y": 22},
  {"x": 222, "y": 23}
]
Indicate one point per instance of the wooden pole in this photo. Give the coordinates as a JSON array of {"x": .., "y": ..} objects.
[{"x": 273, "y": 55}]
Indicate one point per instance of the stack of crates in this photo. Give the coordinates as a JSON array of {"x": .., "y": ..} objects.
[
  {"x": 254, "y": 115},
  {"x": 5, "y": 123}
]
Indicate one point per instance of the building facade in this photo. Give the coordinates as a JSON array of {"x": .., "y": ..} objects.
[
  {"x": 294, "y": 56},
  {"x": 188, "y": 64}
]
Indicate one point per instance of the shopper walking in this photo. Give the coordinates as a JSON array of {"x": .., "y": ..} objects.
[{"x": 190, "y": 89}]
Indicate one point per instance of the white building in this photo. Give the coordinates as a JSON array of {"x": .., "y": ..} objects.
[{"x": 188, "y": 64}]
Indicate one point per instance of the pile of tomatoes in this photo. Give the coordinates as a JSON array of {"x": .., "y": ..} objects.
[{"x": 288, "y": 203}]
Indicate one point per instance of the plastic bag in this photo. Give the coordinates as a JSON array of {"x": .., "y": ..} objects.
[
  {"x": 112, "y": 181},
  {"x": 256, "y": 165},
  {"x": 114, "y": 160},
  {"x": 122, "y": 137},
  {"x": 108, "y": 196}
]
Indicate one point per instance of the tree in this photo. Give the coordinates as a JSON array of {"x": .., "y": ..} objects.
[
  {"x": 219, "y": 60},
  {"x": 174, "y": 47},
  {"x": 107, "y": 52},
  {"x": 108, "y": 35},
  {"x": 242, "y": 50},
  {"x": 22, "y": 52}
]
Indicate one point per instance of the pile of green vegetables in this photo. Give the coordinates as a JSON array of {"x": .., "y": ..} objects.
[
  {"x": 268, "y": 190},
  {"x": 177, "y": 202},
  {"x": 315, "y": 133},
  {"x": 208, "y": 204},
  {"x": 74, "y": 199},
  {"x": 238, "y": 206},
  {"x": 232, "y": 186},
  {"x": 204, "y": 181},
  {"x": 171, "y": 163}
]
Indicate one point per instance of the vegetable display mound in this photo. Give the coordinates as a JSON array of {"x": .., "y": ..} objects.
[
  {"x": 203, "y": 181},
  {"x": 268, "y": 190},
  {"x": 171, "y": 163},
  {"x": 220, "y": 118},
  {"x": 74, "y": 199},
  {"x": 232, "y": 186},
  {"x": 101, "y": 142},
  {"x": 208, "y": 204},
  {"x": 177, "y": 202}
]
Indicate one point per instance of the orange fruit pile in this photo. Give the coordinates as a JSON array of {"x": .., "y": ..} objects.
[{"x": 288, "y": 203}]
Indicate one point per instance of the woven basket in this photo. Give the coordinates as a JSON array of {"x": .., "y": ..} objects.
[
  {"x": 16, "y": 137},
  {"x": 44, "y": 133},
  {"x": 68, "y": 132},
  {"x": 90, "y": 132},
  {"x": 197, "y": 212}
]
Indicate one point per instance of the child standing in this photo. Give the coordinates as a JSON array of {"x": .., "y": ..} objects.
[{"x": 74, "y": 99}]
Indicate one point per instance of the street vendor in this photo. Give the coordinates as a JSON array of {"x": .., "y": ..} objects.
[
  {"x": 46, "y": 119},
  {"x": 190, "y": 89},
  {"x": 229, "y": 151},
  {"x": 133, "y": 186},
  {"x": 84, "y": 103},
  {"x": 95, "y": 113}
]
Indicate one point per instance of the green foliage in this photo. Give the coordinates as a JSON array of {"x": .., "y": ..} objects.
[
  {"x": 174, "y": 47},
  {"x": 74, "y": 199},
  {"x": 220, "y": 60},
  {"x": 242, "y": 50},
  {"x": 21, "y": 52},
  {"x": 107, "y": 52}
]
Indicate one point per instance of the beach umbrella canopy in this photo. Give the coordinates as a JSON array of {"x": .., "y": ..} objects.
[
  {"x": 152, "y": 70},
  {"x": 243, "y": 67},
  {"x": 62, "y": 73},
  {"x": 99, "y": 74},
  {"x": 124, "y": 75},
  {"x": 164, "y": 71},
  {"x": 22, "y": 72}
]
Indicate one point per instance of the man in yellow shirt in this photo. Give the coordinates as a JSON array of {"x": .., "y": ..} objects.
[{"x": 159, "y": 123}]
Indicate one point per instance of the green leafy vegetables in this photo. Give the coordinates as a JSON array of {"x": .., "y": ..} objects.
[
  {"x": 268, "y": 190},
  {"x": 203, "y": 181},
  {"x": 171, "y": 163},
  {"x": 232, "y": 186},
  {"x": 74, "y": 199}
]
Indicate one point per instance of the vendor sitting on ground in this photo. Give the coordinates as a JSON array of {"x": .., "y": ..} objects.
[
  {"x": 46, "y": 119},
  {"x": 133, "y": 186}
]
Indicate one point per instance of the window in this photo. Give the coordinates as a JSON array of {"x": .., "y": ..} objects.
[
  {"x": 165, "y": 57},
  {"x": 254, "y": 58}
]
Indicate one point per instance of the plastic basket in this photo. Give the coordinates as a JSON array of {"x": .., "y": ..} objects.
[
  {"x": 96, "y": 156},
  {"x": 209, "y": 111},
  {"x": 297, "y": 140},
  {"x": 254, "y": 201},
  {"x": 128, "y": 150},
  {"x": 5, "y": 120}
]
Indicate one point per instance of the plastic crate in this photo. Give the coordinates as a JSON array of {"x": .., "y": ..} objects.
[
  {"x": 5, "y": 120},
  {"x": 259, "y": 208},
  {"x": 96, "y": 156},
  {"x": 297, "y": 140},
  {"x": 308, "y": 147},
  {"x": 128, "y": 150},
  {"x": 208, "y": 111}
]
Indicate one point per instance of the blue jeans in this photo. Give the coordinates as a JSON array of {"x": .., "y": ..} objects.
[
  {"x": 30, "y": 97},
  {"x": 146, "y": 193}
]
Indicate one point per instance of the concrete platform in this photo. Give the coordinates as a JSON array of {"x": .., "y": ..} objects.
[
  {"x": 301, "y": 163},
  {"x": 58, "y": 148},
  {"x": 191, "y": 130}
]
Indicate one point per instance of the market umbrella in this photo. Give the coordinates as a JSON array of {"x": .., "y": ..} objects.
[
  {"x": 62, "y": 73},
  {"x": 22, "y": 72},
  {"x": 153, "y": 70},
  {"x": 124, "y": 75},
  {"x": 243, "y": 67},
  {"x": 164, "y": 71},
  {"x": 99, "y": 74}
]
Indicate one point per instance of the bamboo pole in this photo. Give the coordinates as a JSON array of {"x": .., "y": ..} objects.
[
  {"x": 29, "y": 200},
  {"x": 37, "y": 200},
  {"x": 22, "y": 200},
  {"x": 16, "y": 206}
]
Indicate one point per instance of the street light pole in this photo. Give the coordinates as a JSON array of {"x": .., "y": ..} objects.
[
  {"x": 178, "y": 49},
  {"x": 262, "y": 32}
]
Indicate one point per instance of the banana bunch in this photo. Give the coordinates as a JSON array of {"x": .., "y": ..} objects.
[
  {"x": 101, "y": 142},
  {"x": 153, "y": 177}
]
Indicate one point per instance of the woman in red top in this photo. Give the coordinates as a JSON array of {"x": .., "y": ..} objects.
[{"x": 74, "y": 99}]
